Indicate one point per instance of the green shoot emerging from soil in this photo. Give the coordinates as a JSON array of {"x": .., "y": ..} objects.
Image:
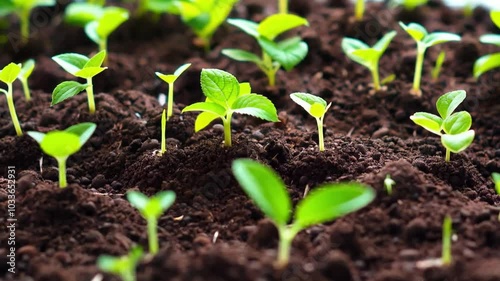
[
  {"x": 325, "y": 203},
  {"x": 205, "y": 16},
  {"x": 388, "y": 183},
  {"x": 491, "y": 61},
  {"x": 170, "y": 79},
  {"x": 447, "y": 236},
  {"x": 79, "y": 66},
  {"x": 366, "y": 56},
  {"x": 359, "y": 9},
  {"x": 424, "y": 40},
  {"x": 26, "y": 70},
  {"x": 62, "y": 144},
  {"x": 437, "y": 67},
  {"x": 286, "y": 53},
  {"x": 8, "y": 75},
  {"x": 124, "y": 266},
  {"x": 316, "y": 107},
  {"x": 457, "y": 136},
  {"x": 23, "y": 8},
  {"x": 410, "y": 5},
  {"x": 283, "y": 6},
  {"x": 225, "y": 96},
  {"x": 496, "y": 181},
  {"x": 151, "y": 209},
  {"x": 100, "y": 29}
]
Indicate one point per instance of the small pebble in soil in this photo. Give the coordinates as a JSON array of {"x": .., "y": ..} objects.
[
  {"x": 257, "y": 135},
  {"x": 149, "y": 144},
  {"x": 384, "y": 131},
  {"x": 116, "y": 185},
  {"x": 50, "y": 173},
  {"x": 218, "y": 128},
  {"x": 99, "y": 181}
]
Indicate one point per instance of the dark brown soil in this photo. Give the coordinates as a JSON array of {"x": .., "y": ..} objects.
[{"x": 213, "y": 231}]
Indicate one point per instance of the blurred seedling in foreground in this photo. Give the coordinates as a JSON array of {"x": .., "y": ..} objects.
[{"x": 124, "y": 266}]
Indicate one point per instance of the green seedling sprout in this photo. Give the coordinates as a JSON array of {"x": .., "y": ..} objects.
[
  {"x": 437, "y": 67},
  {"x": 170, "y": 79},
  {"x": 226, "y": 96},
  {"x": 100, "y": 29},
  {"x": 62, "y": 144},
  {"x": 457, "y": 136},
  {"x": 496, "y": 181},
  {"x": 366, "y": 56},
  {"x": 23, "y": 8},
  {"x": 409, "y": 5},
  {"x": 159, "y": 6},
  {"x": 424, "y": 40},
  {"x": 123, "y": 266},
  {"x": 323, "y": 204},
  {"x": 286, "y": 53},
  {"x": 8, "y": 75},
  {"x": 283, "y": 6},
  {"x": 26, "y": 70},
  {"x": 82, "y": 67},
  {"x": 316, "y": 107},
  {"x": 151, "y": 209},
  {"x": 205, "y": 16},
  {"x": 359, "y": 9},
  {"x": 389, "y": 79},
  {"x": 491, "y": 61},
  {"x": 447, "y": 236},
  {"x": 388, "y": 183}
]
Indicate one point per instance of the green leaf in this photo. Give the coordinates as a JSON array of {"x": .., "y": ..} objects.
[
  {"x": 37, "y": 136},
  {"x": 306, "y": 100},
  {"x": 486, "y": 63},
  {"x": 170, "y": 78},
  {"x": 287, "y": 55},
  {"x": 27, "y": 68},
  {"x": 415, "y": 30},
  {"x": 71, "y": 62},
  {"x": 96, "y": 60},
  {"x": 91, "y": 31},
  {"x": 110, "y": 20},
  {"x": 317, "y": 110},
  {"x": 495, "y": 17},
  {"x": 496, "y": 181},
  {"x": 367, "y": 57},
  {"x": 384, "y": 42},
  {"x": 66, "y": 90},
  {"x": 219, "y": 86},
  {"x": 440, "y": 37},
  {"x": 459, "y": 142},
  {"x": 490, "y": 39},
  {"x": 245, "y": 88},
  {"x": 457, "y": 123},
  {"x": 331, "y": 201},
  {"x": 10, "y": 73},
  {"x": 82, "y": 13},
  {"x": 181, "y": 69},
  {"x": 89, "y": 72},
  {"x": 166, "y": 199},
  {"x": 83, "y": 130},
  {"x": 276, "y": 24},
  {"x": 257, "y": 106},
  {"x": 265, "y": 188},
  {"x": 428, "y": 121},
  {"x": 60, "y": 144},
  {"x": 350, "y": 44},
  {"x": 241, "y": 55},
  {"x": 204, "y": 119},
  {"x": 249, "y": 27},
  {"x": 211, "y": 107},
  {"x": 138, "y": 200},
  {"x": 163, "y": 6},
  {"x": 6, "y": 8},
  {"x": 448, "y": 102}
]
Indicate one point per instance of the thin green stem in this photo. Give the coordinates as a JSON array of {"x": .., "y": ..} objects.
[
  {"x": 61, "y": 161},
  {"x": 170, "y": 103},
  {"x": 360, "y": 9},
  {"x": 446, "y": 241},
  {"x": 418, "y": 67},
  {"x": 283, "y": 6},
  {"x": 12, "y": 110},
  {"x": 376, "y": 77},
  {"x": 286, "y": 233},
  {"x": 103, "y": 46},
  {"x": 448, "y": 155},
  {"x": 24, "y": 18},
  {"x": 142, "y": 7},
  {"x": 153, "y": 235},
  {"x": 227, "y": 130},
  {"x": 269, "y": 69},
  {"x": 26, "y": 89},
  {"x": 90, "y": 96},
  {"x": 321, "y": 141},
  {"x": 163, "y": 132}
]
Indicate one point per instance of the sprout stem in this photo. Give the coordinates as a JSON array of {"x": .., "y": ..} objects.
[
  {"x": 26, "y": 89},
  {"x": 321, "y": 142},
  {"x": 12, "y": 110},
  {"x": 376, "y": 77},
  {"x": 286, "y": 234},
  {"x": 90, "y": 96},
  {"x": 24, "y": 18},
  {"x": 360, "y": 9},
  {"x": 170, "y": 103},
  {"x": 418, "y": 68},
  {"x": 227, "y": 130},
  {"x": 163, "y": 132},
  {"x": 447, "y": 157},
  {"x": 103, "y": 46},
  {"x": 61, "y": 161},
  {"x": 446, "y": 252},
  {"x": 283, "y": 6},
  {"x": 152, "y": 235}
]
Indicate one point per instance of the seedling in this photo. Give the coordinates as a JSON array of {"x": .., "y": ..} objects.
[
  {"x": 159, "y": 6},
  {"x": 26, "y": 70},
  {"x": 205, "y": 16},
  {"x": 100, "y": 29},
  {"x": 496, "y": 181},
  {"x": 491, "y": 61},
  {"x": 388, "y": 183},
  {"x": 124, "y": 266},
  {"x": 151, "y": 209},
  {"x": 23, "y": 8},
  {"x": 225, "y": 96},
  {"x": 81, "y": 13},
  {"x": 286, "y": 53},
  {"x": 62, "y": 144},
  {"x": 366, "y": 56},
  {"x": 79, "y": 66},
  {"x": 410, "y": 5},
  {"x": 8, "y": 75},
  {"x": 170, "y": 79},
  {"x": 424, "y": 40},
  {"x": 457, "y": 136},
  {"x": 316, "y": 107},
  {"x": 447, "y": 236},
  {"x": 321, "y": 205},
  {"x": 283, "y": 6},
  {"x": 437, "y": 67},
  {"x": 359, "y": 9}
]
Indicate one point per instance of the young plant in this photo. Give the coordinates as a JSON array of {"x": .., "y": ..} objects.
[
  {"x": 496, "y": 181},
  {"x": 437, "y": 67},
  {"x": 283, "y": 6},
  {"x": 491, "y": 61},
  {"x": 366, "y": 56},
  {"x": 79, "y": 66},
  {"x": 23, "y": 8},
  {"x": 151, "y": 209},
  {"x": 359, "y": 9},
  {"x": 453, "y": 128},
  {"x": 159, "y": 6},
  {"x": 316, "y": 107},
  {"x": 424, "y": 40},
  {"x": 26, "y": 70},
  {"x": 286, "y": 53},
  {"x": 447, "y": 235},
  {"x": 225, "y": 96},
  {"x": 8, "y": 75},
  {"x": 62, "y": 144},
  {"x": 123, "y": 266},
  {"x": 100, "y": 29},
  {"x": 388, "y": 183},
  {"x": 324, "y": 204},
  {"x": 170, "y": 79},
  {"x": 410, "y": 5}
]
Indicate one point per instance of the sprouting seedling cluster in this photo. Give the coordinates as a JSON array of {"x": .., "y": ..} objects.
[
  {"x": 123, "y": 266},
  {"x": 453, "y": 128},
  {"x": 491, "y": 61},
  {"x": 424, "y": 40},
  {"x": 366, "y": 56},
  {"x": 286, "y": 53},
  {"x": 226, "y": 96},
  {"x": 151, "y": 209},
  {"x": 82, "y": 67},
  {"x": 8, "y": 75},
  {"x": 323, "y": 204},
  {"x": 317, "y": 108},
  {"x": 63, "y": 144}
]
